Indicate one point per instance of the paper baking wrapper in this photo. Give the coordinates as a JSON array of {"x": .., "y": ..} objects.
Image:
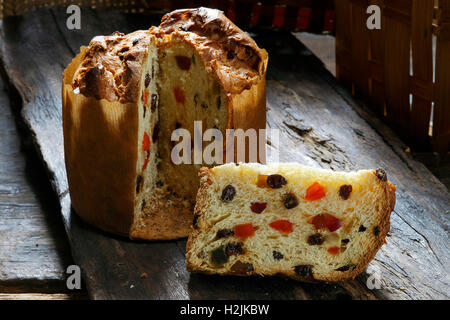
[{"x": 100, "y": 145}]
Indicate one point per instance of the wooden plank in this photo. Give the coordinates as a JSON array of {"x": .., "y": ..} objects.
[
  {"x": 33, "y": 251},
  {"x": 343, "y": 41},
  {"x": 376, "y": 69},
  {"x": 422, "y": 60},
  {"x": 441, "y": 119},
  {"x": 40, "y": 296},
  {"x": 320, "y": 125},
  {"x": 397, "y": 69},
  {"x": 360, "y": 49}
]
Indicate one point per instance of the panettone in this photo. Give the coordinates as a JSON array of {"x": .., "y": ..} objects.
[
  {"x": 305, "y": 223},
  {"x": 124, "y": 95}
]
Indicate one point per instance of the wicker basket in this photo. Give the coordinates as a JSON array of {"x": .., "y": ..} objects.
[
  {"x": 395, "y": 69},
  {"x": 312, "y": 15}
]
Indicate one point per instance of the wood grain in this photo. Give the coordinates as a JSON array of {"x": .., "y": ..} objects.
[
  {"x": 422, "y": 63},
  {"x": 33, "y": 251},
  {"x": 441, "y": 119},
  {"x": 321, "y": 125}
]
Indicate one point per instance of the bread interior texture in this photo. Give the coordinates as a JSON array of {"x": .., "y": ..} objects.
[
  {"x": 180, "y": 91},
  {"x": 270, "y": 251},
  {"x": 188, "y": 94}
]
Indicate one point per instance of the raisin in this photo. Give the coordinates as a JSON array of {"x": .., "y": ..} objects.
[
  {"x": 218, "y": 255},
  {"x": 154, "y": 102},
  {"x": 196, "y": 98},
  {"x": 376, "y": 231},
  {"x": 381, "y": 174},
  {"x": 228, "y": 193},
  {"x": 155, "y": 132},
  {"x": 241, "y": 268},
  {"x": 143, "y": 204},
  {"x": 248, "y": 51},
  {"x": 147, "y": 80},
  {"x": 230, "y": 55},
  {"x": 234, "y": 248},
  {"x": 276, "y": 181},
  {"x": 345, "y": 268},
  {"x": 138, "y": 183},
  {"x": 290, "y": 201},
  {"x": 316, "y": 239},
  {"x": 277, "y": 255},
  {"x": 345, "y": 241},
  {"x": 361, "y": 228},
  {"x": 159, "y": 184},
  {"x": 194, "y": 220},
  {"x": 135, "y": 41},
  {"x": 129, "y": 57},
  {"x": 184, "y": 63},
  {"x": 219, "y": 102},
  {"x": 304, "y": 271},
  {"x": 258, "y": 207},
  {"x": 345, "y": 190},
  {"x": 224, "y": 233}
]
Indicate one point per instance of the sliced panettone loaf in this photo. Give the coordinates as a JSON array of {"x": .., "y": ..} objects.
[
  {"x": 124, "y": 95},
  {"x": 305, "y": 223}
]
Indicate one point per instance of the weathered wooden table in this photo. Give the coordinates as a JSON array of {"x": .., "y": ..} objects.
[{"x": 321, "y": 126}]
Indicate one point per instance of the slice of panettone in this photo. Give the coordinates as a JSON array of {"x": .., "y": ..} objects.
[{"x": 305, "y": 223}]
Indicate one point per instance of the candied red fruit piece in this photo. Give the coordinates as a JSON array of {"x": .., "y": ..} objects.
[
  {"x": 284, "y": 226},
  {"x": 244, "y": 230},
  {"x": 325, "y": 220},
  {"x": 333, "y": 250},
  {"x": 145, "y": 142},
  {"x": 179, "y": 95},
  {"x": 315, "y": 192},
  {"x": 258, "y": 207},
  {"x": 145, "y": 97},
  {"x": 146, "y": 161}
]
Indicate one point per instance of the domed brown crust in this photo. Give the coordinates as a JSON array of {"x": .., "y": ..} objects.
[
  {"x": 111, "y": 67},
  {"x": 112, "y": 64},
  {"x": 226, "y": 49}
]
